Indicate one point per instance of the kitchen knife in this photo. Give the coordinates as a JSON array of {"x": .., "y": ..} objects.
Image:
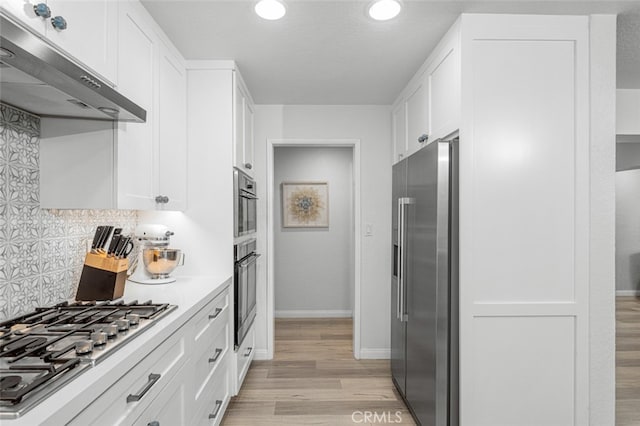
[
  {"x": 114, "y": 241},
  {"x": 105, "y": 237},
  {"x": 96, "y": 237},
  {"x": 120, "y": 246}
]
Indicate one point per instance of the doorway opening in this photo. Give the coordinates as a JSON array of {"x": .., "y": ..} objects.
[
  {"x": 313, "y": 210},
  {"x": 627, "y": 282}
]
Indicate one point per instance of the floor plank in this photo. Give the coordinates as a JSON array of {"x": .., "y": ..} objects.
[
  {"x": 627, "y": 361},
  {"x": 314, "y": 380}
]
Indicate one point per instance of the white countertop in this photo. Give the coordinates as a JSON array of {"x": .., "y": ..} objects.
[{"x": 189, "y": 293}]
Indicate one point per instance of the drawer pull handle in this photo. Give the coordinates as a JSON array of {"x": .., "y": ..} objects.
[
  {"x": 215, "y": 315},
  {"x": 154, "y": 423},
  {"x": 153, "y": 378},
  {"x": 216, "y": 355},
  {"x": 217, "y": 410},
  {"x": 248, "y": 352}
]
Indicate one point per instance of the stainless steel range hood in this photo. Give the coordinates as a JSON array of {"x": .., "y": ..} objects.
[{"x": 37, "y": 78}]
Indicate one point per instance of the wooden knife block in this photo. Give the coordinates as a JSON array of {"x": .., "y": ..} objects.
[{"x": 102, "y": 278}]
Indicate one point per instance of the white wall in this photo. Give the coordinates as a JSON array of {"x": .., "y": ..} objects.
[
  {"x": 628, "y": 232},
  {"x": 372, "y": 125},
  {"x": 314, "y": 266},
  {"x": 627, "y": 156}
]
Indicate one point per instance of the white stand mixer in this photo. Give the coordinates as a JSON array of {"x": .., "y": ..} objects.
[{"x": 155, "y": 260}]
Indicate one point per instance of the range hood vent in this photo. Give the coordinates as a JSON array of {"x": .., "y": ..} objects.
[{"x": 37, "y": 78}]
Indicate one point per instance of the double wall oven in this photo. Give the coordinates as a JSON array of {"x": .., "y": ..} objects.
[{"x": 244, "y": 254}]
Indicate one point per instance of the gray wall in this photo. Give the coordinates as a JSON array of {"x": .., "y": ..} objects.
[
  {"x": 628, "y": 232},
  {"x": 41, "y": 251},
  {"x": 628, "y": 155},
  {"x": 314, "y": 266}
]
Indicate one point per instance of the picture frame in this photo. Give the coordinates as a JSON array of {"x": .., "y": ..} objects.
[{"x": 305, "y": 204}]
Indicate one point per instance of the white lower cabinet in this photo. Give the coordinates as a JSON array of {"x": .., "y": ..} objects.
[
  {"x": 170, "y": 407},
  {"x": 186, "y": 380},
  {"x": 243, "y": 358},
  {"x": 130, "y": 396}
]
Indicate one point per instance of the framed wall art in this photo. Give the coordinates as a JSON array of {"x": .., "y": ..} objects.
[{"x": 305, "y": 204}]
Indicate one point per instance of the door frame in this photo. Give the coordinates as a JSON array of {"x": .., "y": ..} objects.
[{"x": 271, "y": 221}]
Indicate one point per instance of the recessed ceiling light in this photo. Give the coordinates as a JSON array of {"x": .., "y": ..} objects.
[
  {"x": 383, "y": 10},
  {"x": 270, "y": 9}
]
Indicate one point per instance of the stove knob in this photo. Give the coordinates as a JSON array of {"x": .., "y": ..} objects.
[
  {"x": 123, "y": 324},
  {"x": 111, "y": 330},
  {"x": 99, "y": 338},
  {"x": 134, "y": 319},
  {"x": 84, "y": 347}
]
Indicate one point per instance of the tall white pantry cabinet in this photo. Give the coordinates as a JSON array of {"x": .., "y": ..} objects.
[{"x": 533, "y": 98}]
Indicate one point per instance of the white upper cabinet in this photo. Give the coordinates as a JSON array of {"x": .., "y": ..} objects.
[
  {"x": 243, "y": 126},
  {"x": 137, "y": 47},
  {"x": 137, "y": 166},
  {"x": 86, "y": 30},
  {"x": 417, "y": 110},
  {"x": 172, "y": 131},
  {"x": 429, "y": 106},
  {"x": 90, "y": 35},
  {"x": 399, "y": 126}
]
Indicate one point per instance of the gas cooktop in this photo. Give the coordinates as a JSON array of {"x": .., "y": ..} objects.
[{"x": 43, "y": 350}]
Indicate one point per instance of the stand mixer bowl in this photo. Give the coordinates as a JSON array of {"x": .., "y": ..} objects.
[{"x": 159, "y": 262}]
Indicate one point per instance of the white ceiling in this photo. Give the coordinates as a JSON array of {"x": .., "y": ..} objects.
[{"x": 329, "y": 53}]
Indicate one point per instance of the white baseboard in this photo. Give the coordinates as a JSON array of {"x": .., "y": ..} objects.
[
  {"x": 375, "y": 353},
  {"x": 261, "y": 355},
  {"x": 313, "y": 314},
  {"x": 627, "y": 292}
]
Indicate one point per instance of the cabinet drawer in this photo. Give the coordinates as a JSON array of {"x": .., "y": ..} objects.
[
  {"x": 215, "y": 401},
  {"x": 213, "y": 314},
  {"x": 170, "y": 407},
  {"x": 132, "y": 393},
  {"x": 211, "y": 359},
  {"x": 244, "y": 356}
]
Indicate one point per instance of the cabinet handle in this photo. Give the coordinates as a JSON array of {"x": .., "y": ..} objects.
[
  {"x": 162, "y": 199},
  {"x": 42, "y": 10},
  {"x": 216, "y": 313},
  {"x": 216, "y": 355},
  {"x": 153, "y": 378},
  {"x": 423, "y": 138},
  {"x": 248, "y": 166},
  {"x": 59, "y": 23},
  {"x": 154, "y": 423},
  {"x": 217, "y": 410},
  {"x": 248, "y": 351}
]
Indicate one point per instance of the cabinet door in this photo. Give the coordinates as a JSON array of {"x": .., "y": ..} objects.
[
  {"x": 417, "y": 110},
  {"x": 444, "y": 85},
  {"x": 136, "y": 73},
  {"x": 172, "y": 134},
  {"x": 247, "y": 145},
  {"x": 399, "y": 123},
  {"x": 91, "y": 34},
  {"x": 238, "y": 118},
  {"x": 23, "y": 11}
]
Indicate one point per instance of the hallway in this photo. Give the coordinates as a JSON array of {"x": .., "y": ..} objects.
[
  {"x": 314, "y": 380},
  {"x": 627, "y": 361}
]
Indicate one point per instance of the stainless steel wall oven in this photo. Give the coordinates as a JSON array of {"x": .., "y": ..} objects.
[
  {"x": 245, "y": 258},
  {"x": 244, "y": 204}
]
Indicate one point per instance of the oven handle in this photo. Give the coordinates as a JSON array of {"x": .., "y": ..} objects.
[
  {"x": 247, "y": 194},
  {"x": 249, "y": 260}
]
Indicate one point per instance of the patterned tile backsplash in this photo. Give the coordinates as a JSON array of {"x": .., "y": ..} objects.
[{"x": 41, "y": 251}]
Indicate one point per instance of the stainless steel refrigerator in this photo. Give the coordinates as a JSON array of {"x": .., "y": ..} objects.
[{"x": 424, "y": 285}]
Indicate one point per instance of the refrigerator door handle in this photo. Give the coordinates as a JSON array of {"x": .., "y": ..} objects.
[
  {"x": 399, "y": 260},
  {"x": 404, "y": 202}
]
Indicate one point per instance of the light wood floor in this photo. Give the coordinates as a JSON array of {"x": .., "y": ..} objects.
[
  {"x": 314, "y": 380},
  {"x": 627, "y": 361}
]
